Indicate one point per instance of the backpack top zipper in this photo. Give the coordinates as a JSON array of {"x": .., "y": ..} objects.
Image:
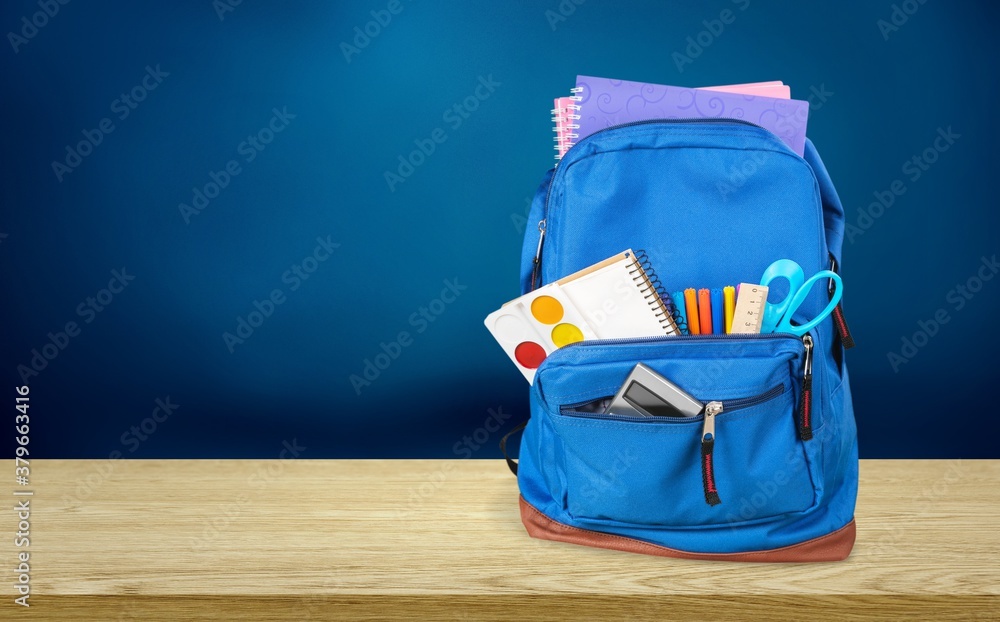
[{"x": 537, "y": 262}]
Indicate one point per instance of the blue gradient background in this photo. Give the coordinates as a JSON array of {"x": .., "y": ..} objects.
[{"x": 456, "y": 217}]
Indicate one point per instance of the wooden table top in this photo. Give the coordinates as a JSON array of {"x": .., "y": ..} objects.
[{"x": 442, "y": 539}]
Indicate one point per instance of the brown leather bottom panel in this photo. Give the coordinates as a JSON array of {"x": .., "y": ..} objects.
[{"x": 831, "y": 547}]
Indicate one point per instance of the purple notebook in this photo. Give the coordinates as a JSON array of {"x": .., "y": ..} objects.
[{"x": 605, "y": 102}]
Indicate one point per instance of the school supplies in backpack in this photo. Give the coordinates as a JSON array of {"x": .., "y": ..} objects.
[
  {"x": 614, "y": 299},
  {"x": 769, "y": 470}
]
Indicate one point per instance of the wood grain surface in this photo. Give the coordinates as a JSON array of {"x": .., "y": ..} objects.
[{"x": 426, "y": 539}]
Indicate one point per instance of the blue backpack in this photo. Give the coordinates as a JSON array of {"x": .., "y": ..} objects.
[{"x": 712, "y": 203}]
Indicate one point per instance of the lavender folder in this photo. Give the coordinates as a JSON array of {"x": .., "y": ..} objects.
[{"x": 605, "y": 102}]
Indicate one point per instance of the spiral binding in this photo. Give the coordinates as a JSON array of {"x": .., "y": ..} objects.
[
  {"x": 566, "y": 118},
  {"x": 654, "y": 292}
]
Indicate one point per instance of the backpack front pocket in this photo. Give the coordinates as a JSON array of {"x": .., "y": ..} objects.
[{"x": 740, "y": 461}]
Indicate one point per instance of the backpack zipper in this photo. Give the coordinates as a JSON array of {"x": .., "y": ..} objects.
[
  {"x": 805, "y": 403},
  {"x": 537, "y": 265},
  {"x": 716, "y": 407},
  {"x": 804, "y": 410},
  {"x": 664, "y": 339},
  {"x": 707, "y": 447},
  {"x": 729, "y": 405},
  {"x": 712, "y": 409}
]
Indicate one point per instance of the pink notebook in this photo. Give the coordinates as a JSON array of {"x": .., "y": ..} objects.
[
  {"x": 566, "y": 117},
  {"x": 764, "y": 89}
]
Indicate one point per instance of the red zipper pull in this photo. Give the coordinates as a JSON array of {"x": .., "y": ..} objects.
[
  {"x": 839, "y": 322},
  {"x": 805, "y": 403},
  {"x": 707, "y": 446},
  {"x": 843, "y": 331}
]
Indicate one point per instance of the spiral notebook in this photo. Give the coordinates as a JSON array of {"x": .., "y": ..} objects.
[
  {"x": 566, "y": 118},
  {"x": 619, "y": 298},
  {"x": 616, "y": 298}
]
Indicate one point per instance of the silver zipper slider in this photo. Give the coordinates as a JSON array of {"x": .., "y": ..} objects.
[
  {"x": 708, "y": 428},
  {"x": 538, "y": 255},
  {"x": 707, "y": 449},
  {"x": 807, "y": 368},
  {"x": 541, "y": 239},
  {"x": 805, "y": 400}
]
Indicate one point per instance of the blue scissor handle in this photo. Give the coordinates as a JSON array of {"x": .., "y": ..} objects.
[
  {"x": 778, "y": 317},
  {"x": 784, "y": 269},
  {"x": 785, "y": 324}
]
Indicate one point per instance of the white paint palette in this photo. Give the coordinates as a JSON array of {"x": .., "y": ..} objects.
[{"x": 531, "y": 327}]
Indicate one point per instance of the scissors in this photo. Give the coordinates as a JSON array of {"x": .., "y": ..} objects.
[{"x": 778, "y": 317}]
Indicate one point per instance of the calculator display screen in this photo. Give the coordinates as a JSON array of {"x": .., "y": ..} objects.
[{"x": 646, "y": 401}]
